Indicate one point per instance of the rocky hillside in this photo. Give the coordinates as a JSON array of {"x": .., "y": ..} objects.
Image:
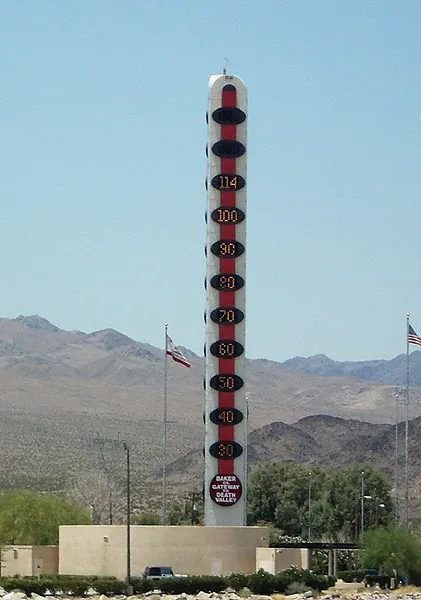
[
  {"x": 391, "y": 372},
  {"x": 323, "y": 441},
  {"x": 69, "y": 398}
]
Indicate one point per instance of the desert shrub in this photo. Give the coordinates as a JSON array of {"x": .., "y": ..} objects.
[
  {"x": 179, "y": 585},
  {"x": 297, "y": 587},
  {"x": 108, "y": 586},
  {"x": 320, "y": 582},
  {"x": 141, "y": 585},
  {"x": 263, "y": 582},
  {"x": 205, "y": 583},
  {"x": 76, "y": 585},
  {"x": 172, "y": 585},
  {"x": 312, "y": 581},
  {"x": 237, "y": 581},
  {"x": 290, "y": 581},
  {"x": 25, "y": 584},
  {"x": 293, "y": 575}
]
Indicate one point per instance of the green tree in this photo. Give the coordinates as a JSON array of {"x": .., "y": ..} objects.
[
  {"x": 343, "y": 502},
  {"x": 146, "y": 518},
  {"x": 283, "y": 494},
  {"x": 392, "y": 551},
  {"x": 292, "y": 511},
  {"x": 280, "y": 494},
  {"x": 32, "y": 518},
  {"x": 263, "y": 492},
  {"x": 187, "y": 510}
]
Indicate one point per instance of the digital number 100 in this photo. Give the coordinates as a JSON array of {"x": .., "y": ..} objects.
[{"x": 230, "y": 215}]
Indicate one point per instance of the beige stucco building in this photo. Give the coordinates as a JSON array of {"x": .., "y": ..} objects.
[
  {"x": 194, "y": 550},
  {"x": 29, "y": 560},
  {"x": 102, "y": 550},
  {"x": 275, "y": 560}
]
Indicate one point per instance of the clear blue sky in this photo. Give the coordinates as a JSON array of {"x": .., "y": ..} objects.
[{"x": 102, "y": 120}]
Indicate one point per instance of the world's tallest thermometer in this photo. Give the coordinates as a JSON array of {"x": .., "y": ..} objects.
[{"x": 225, "y": 418}]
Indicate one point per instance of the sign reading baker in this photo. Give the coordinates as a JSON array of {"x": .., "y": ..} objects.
[{"x": 225, "y": 490}]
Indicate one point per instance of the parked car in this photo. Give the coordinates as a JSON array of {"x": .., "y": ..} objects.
[
  {"x": 373, "y": 577},
  {"x": 371, "y": 573},
  {"x": 158, "y": 572}
]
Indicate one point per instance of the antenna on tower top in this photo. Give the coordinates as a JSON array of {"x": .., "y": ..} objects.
[{"x": 225, "y": 66}]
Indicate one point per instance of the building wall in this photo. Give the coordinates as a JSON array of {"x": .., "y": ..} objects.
[
  {"x": 16, "y": 560},
  {"x": 29, "y": 560},
  {"x": 275, "y": 560},
  {"x": 45, "y": 560},
  {"x": 195, "y": 550}
]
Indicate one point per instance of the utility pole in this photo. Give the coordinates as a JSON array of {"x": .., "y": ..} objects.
[
  {"x": 362, "y": 508},
  {"x": 396, "y": 462},
  {"x": 129, "y": 587},
  {"x": 309, "y": 506}
]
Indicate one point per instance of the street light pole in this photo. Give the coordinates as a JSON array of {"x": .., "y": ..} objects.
[
  {"x": 365, "y": 497},
  {"x": 396, "y": 462},
  {"x": 379, "y": 504},
  {"x": 362, "y": 509},
  {"x": 164, "y": 434},
  {"x": 309, "y": 506},
  {"x": 128, "y": 574}
]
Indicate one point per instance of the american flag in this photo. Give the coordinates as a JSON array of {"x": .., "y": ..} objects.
[{"x": 413, "y": 337}]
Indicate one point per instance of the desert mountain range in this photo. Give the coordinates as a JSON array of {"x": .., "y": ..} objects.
[{"x": 69, "y": 398}]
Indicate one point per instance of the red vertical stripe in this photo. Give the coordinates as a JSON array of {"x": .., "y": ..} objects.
[{"x": 227, "y": 298}]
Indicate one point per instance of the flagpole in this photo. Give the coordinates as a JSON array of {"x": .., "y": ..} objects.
[
  {"x": 246, "y": 398},
  {"x": 396, "y": 462},
  {"x": 405, "y": 520},
  {"x": 164, "y": 435}
]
